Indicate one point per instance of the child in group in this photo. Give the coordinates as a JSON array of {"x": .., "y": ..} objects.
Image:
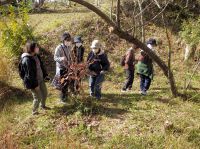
[
  {"x": 34, "y": 74},
  {"x": 145, "y": 68},
  {"x": 98, "y": 64},
  {"x": 129, "y": 67}
]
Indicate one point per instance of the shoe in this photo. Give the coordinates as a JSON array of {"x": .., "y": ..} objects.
[
  {"x": 45, "y": 108},
  {"x": 123, "y": 90},
  {"x": 144, "y": 93},
  {"x": 129, "y": 89},
  {"x": 63, "y": 102},
  {"x": 91, "y": 94},
  {"x": 35, "y": 113}
]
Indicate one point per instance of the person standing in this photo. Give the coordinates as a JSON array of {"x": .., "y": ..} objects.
[
  {"x": 145, "y": 68},
  {"x": 34, "y": 74},
  {"x": 129, "y": 67},
  {"x": 63, "y": 60},
  {"x": 98, "y": 65},
  {"x": 78, "y": 50}
]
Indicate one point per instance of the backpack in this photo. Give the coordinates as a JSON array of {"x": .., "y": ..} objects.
[
  {"x": 122, "y": 61},
  {"x": 21, "y": 69}
]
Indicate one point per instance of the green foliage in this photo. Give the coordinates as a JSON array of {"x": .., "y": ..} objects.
[
  {"x": 191, "y": 32},
  {"x": 14, "y": 28}
]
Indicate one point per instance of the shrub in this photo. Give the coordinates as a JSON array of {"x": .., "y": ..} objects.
[
  {"x": 14, "y": 29},
  {"x": 191, "y": 32}
]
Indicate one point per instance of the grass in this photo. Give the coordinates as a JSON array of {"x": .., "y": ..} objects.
[{"x": 117, "y": 121}]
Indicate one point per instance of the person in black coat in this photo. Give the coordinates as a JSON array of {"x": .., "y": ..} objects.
[
  {"x": 34, "y": 74},
  {"x": 98, "y": 65},
  {"x": 78, "y": 50}
]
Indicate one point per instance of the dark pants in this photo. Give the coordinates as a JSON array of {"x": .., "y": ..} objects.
[
  {"x": 64, "y": 90},
  {"x": 129, "y": 79},
  {"x": 145, "y": 82},
  {"x": 95, "y": 83}
]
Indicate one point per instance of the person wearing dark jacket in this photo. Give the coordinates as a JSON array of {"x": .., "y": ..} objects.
[
  {"x": 34, "y": 75},
  {"x": 129, "y": 67},
  {"x": 78, "y": 50},
  {"x": 98, "y": 65},
  {"x": 145, "y": 68}
]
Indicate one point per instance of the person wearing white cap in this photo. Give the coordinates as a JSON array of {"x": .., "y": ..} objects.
[{"x": 98, "y": 64}]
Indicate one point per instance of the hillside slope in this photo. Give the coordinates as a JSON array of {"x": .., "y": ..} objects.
[{"x": 118, "y": 120}]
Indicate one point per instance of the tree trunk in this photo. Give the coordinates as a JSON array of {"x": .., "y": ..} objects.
[
  {"x": 142, "y": 22},
  {"x": 189, "y": 52},
  {"x": 118, "y": 14},
  {"x": 124, "y": 35}
]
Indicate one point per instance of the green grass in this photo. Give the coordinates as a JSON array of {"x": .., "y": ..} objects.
[{"x": 117, "y": 121}]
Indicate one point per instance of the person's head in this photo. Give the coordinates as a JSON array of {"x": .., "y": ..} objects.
[
  {"x": 32, "y": 48},
  {"x": 66, "y": 39},
  {"x": 78, "y": 41},
  {"x": 96, "y": 46},
  {"x": 152, "y": 42}
]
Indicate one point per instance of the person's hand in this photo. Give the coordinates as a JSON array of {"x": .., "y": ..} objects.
[
  {"x": 37, "y": 88},
  {"x": 63, "y": 59}
]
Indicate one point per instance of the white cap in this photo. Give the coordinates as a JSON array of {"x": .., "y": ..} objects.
[{"x": 96, "y": 44}]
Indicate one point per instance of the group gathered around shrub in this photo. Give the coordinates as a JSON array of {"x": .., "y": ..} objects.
[{"x": 69, "y": 54}]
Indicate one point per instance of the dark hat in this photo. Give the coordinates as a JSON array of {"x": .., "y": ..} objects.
[
  {"x": 152, "y": 41},
  {"x": 65, "y": 36},
  {"x": 78, "y": 39}
]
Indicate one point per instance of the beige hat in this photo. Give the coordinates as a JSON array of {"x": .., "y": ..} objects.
[{"x": 96, "y": 44}]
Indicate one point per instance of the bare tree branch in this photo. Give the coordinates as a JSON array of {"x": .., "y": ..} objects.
[{"x": 132, "y": 39}]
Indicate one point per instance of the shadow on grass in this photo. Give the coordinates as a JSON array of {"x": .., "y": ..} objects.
[
  {"x": 90, "y": 107},
  {"x": 11, "y": 95},
  {"x": 67, "y": 10}
]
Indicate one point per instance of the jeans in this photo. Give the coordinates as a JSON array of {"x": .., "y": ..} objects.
[
  {"x": 145, "y": 82},
  {"x": 39, "y": 96},
  {"x": 129, "y": 79},
  {"x": 95, "y": 84}
]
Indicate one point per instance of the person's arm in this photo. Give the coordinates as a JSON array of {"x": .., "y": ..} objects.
[
  {"x": 45, "y": 74},
  {"x": 57, "y": 56},
  {"x": 105, "y": 63}
]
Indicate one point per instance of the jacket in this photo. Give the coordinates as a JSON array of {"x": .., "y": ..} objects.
[
  {"x": 145, "y": 65},
  {"x": 78, "y": 53},
  {"x": 98, "y": 62},
  {"x": 62, "y": 57},
  {"x": 30, "y": 69},
  {"x": 129, "y": 60}
]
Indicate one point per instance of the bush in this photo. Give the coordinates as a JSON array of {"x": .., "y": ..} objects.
[
  {"x": 5, "y": 70},
  {"x": 14, "y": 29},
  {"x": 191, "y": 32}
]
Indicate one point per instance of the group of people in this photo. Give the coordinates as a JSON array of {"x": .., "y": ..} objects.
[{"x": 70, "y": 51}]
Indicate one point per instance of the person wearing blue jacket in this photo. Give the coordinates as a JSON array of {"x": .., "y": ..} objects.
[{"x": 98, "y": 65}]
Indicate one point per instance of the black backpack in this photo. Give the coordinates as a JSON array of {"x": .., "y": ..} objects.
[
  {"x": 21, "y": 69},
  {"x": 122, "y": 61}
]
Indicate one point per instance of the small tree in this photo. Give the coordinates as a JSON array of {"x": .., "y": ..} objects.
[
  {"x": 191, "y": 35},
  {"x": 14, "y": 32}
]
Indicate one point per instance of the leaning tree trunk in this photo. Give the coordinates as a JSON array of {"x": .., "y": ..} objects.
[{"x": 124, "y": 35}]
